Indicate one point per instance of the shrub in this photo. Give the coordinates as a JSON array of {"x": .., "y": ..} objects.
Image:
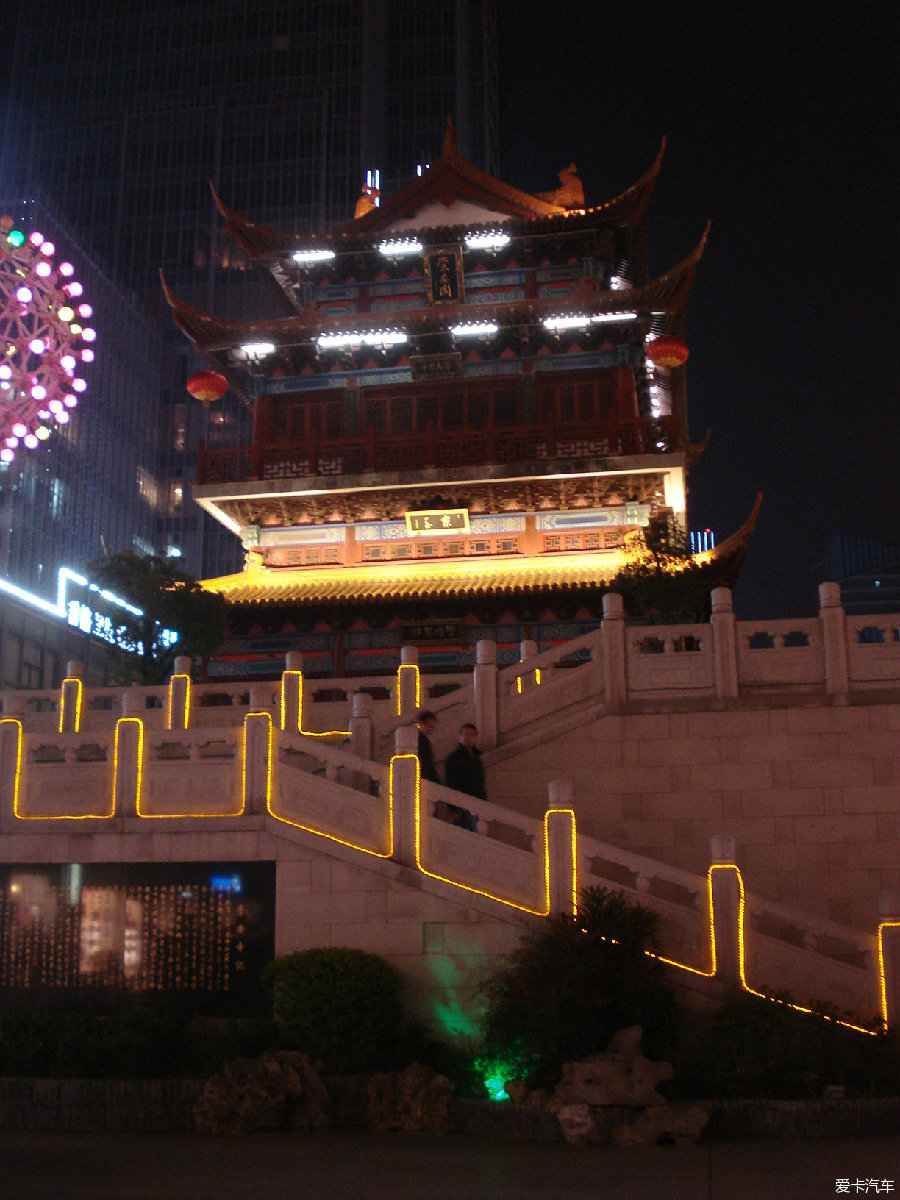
[
  {"x": 341, "y": 1007},
  {"x": 571, "y": 984},
  {"x": 752, "y": 1048}
]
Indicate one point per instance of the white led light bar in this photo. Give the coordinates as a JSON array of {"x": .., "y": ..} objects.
[
  {"x": 312, "y": 256},
  {"x": 580, "y": 321},
  {"x": 258, "y": 349},
  {"x": 487, "y": 241},
  {"x": 377, "y": 337},
  {"x": 396, "y": 249},
  {"x": 475, "y": 329}
]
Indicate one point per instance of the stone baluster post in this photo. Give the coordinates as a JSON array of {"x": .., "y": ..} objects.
[
  {"x": 404, "y": 785},
  {"x": 292, "y": 692},
  {"x": 724, "y": 635},
  {"x": 834, "y": 636},
  {"x": 889, "y": 937},
  {"x": 179, "y": 707},
  {"x": 527, "y": 650},
  {"x": 362, "y": 731},
  {"x": 561, "y": 848},
  {"x": 726, "y": 903},
  {"x": 612, "y": 634},
  {"x": 408, "y": 693},
  {"x": 129, "y": 767},
  {"x": 485, "y": 684},
  {"x": 258, "y": 751},
  {"x": 70, "y": 698}
]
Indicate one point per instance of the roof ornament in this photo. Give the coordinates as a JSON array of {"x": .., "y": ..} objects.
[
  {"x": 368, "y": 199},
  {"x": 449, "y": 137},
  {"x": 570, "y": 193}
]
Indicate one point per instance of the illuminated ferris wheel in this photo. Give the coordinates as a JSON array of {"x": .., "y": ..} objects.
[{"x": 44, "y": 340}]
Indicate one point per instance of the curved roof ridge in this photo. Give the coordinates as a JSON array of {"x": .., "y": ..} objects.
[{"x": 645, "y": 184}]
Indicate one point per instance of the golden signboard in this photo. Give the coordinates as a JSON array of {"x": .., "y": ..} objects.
[
  {"x": 444, "y": 279},
  {"x": 438, "y": 520}
]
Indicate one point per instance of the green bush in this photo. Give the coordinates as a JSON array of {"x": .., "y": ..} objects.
[
  {"x": 571, "y": 984},
  {"x": 752, "y": 1048},
  {"x": 342, "y": 1007}
]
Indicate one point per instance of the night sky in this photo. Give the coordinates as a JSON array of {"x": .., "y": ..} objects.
[
  {"x": 780, "y": 128},
  {"x": 780, "y": 132}
]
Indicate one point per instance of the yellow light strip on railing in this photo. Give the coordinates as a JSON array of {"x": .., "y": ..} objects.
[
  {"x": 103, "y": 816},
  {"x": 269, "y": 739},
  {"x": 741, "y": 959},
  {"x": 303, "y": 732},
  {"x": 408, "y": 667},
  {"x": 333, "y": 837},
  {"x": 139, "y": 772},
  {"x": 148, "y": 816},
  {"x": 545, "y": 911},
  {"x": 20, "y": 737},
  {"x": 537, "y": 680},
  {"x": 882, "y": 978},
  {"x": 187, "y": 700},
  {"x": 62, "y": 704}
]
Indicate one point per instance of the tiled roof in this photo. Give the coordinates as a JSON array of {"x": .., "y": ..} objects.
[{"x": 410, "y": 581}]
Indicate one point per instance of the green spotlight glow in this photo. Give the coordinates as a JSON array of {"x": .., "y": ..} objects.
[{"x": 15, "y": 237}]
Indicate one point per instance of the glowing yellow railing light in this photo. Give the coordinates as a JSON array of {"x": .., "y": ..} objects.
[
  {"x": 21, "y": 816},
  {"x": 387, "y": 853},
  {"x": 537, "y": 680},
  {"x": 64, "y": 690},
  {"x": 742, "y": 976},
  {"x": 19, "y": 740},
  {"x": 269, "y": 740},
  {"x": 187, "y": 700},
  {"x": 139, "y": 766},
  {"x": 408, "y": 667},
  {"x": 537, "y": 912},
  {"x": 882, "y": 977},
  {"x": 298, "y": 675}
]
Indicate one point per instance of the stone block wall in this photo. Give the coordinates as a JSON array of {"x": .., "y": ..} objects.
[{"x": 810, "y": 791}]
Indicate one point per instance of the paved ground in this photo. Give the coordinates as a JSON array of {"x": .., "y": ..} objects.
[{"x": 343, "y": 1165}]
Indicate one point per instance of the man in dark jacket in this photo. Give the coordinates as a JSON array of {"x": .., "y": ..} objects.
[
  {"x": 464, "y": 772},
  {"x": 427, "y": 723}
]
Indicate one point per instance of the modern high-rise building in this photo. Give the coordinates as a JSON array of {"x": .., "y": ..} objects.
[
  {"x": 124, "y": 115},
  {"x": 89, "y": 479}
]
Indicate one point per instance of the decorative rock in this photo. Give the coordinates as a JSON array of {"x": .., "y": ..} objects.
[
  {"x": 578, "y": 1124},
  {"x": 667, "y": 1123},
  {"x": 415, "y": 1100},
  {"x": 274, "y": 1091},
  {"x": 612, "y": 1097}
]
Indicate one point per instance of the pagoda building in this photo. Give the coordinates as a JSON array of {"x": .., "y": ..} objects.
[{"x": 475, "y": 399}]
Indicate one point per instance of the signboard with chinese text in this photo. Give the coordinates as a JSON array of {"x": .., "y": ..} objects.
[
  {"x": 435, "y": 366},
  {"x": 444, "y": 279},
  {"x": 449, "y": 520}
]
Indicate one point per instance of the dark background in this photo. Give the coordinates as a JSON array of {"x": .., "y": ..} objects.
[{"x": 780, "y": 128}]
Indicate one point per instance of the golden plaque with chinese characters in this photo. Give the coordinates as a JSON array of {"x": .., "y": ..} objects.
[
  {"x": 444, "y": 279},
  {"x": 439, "y": 520}
]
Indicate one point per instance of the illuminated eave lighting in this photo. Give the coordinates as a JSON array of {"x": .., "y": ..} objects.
[
  {"x": 475, "y": 329},
  {"x": 304, "y": 257},
  {"x": 257, "y": 349},
  {"x": 580, "y": 321},
  {"x": 396, "y": 249},
  {"x": 378, "y": 337},
  {"x": 487, "y": 241}
]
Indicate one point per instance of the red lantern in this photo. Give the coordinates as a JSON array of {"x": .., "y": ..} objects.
[
  {"x": 207, "y": 386},
  {"x": 667, "y": 351}
]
